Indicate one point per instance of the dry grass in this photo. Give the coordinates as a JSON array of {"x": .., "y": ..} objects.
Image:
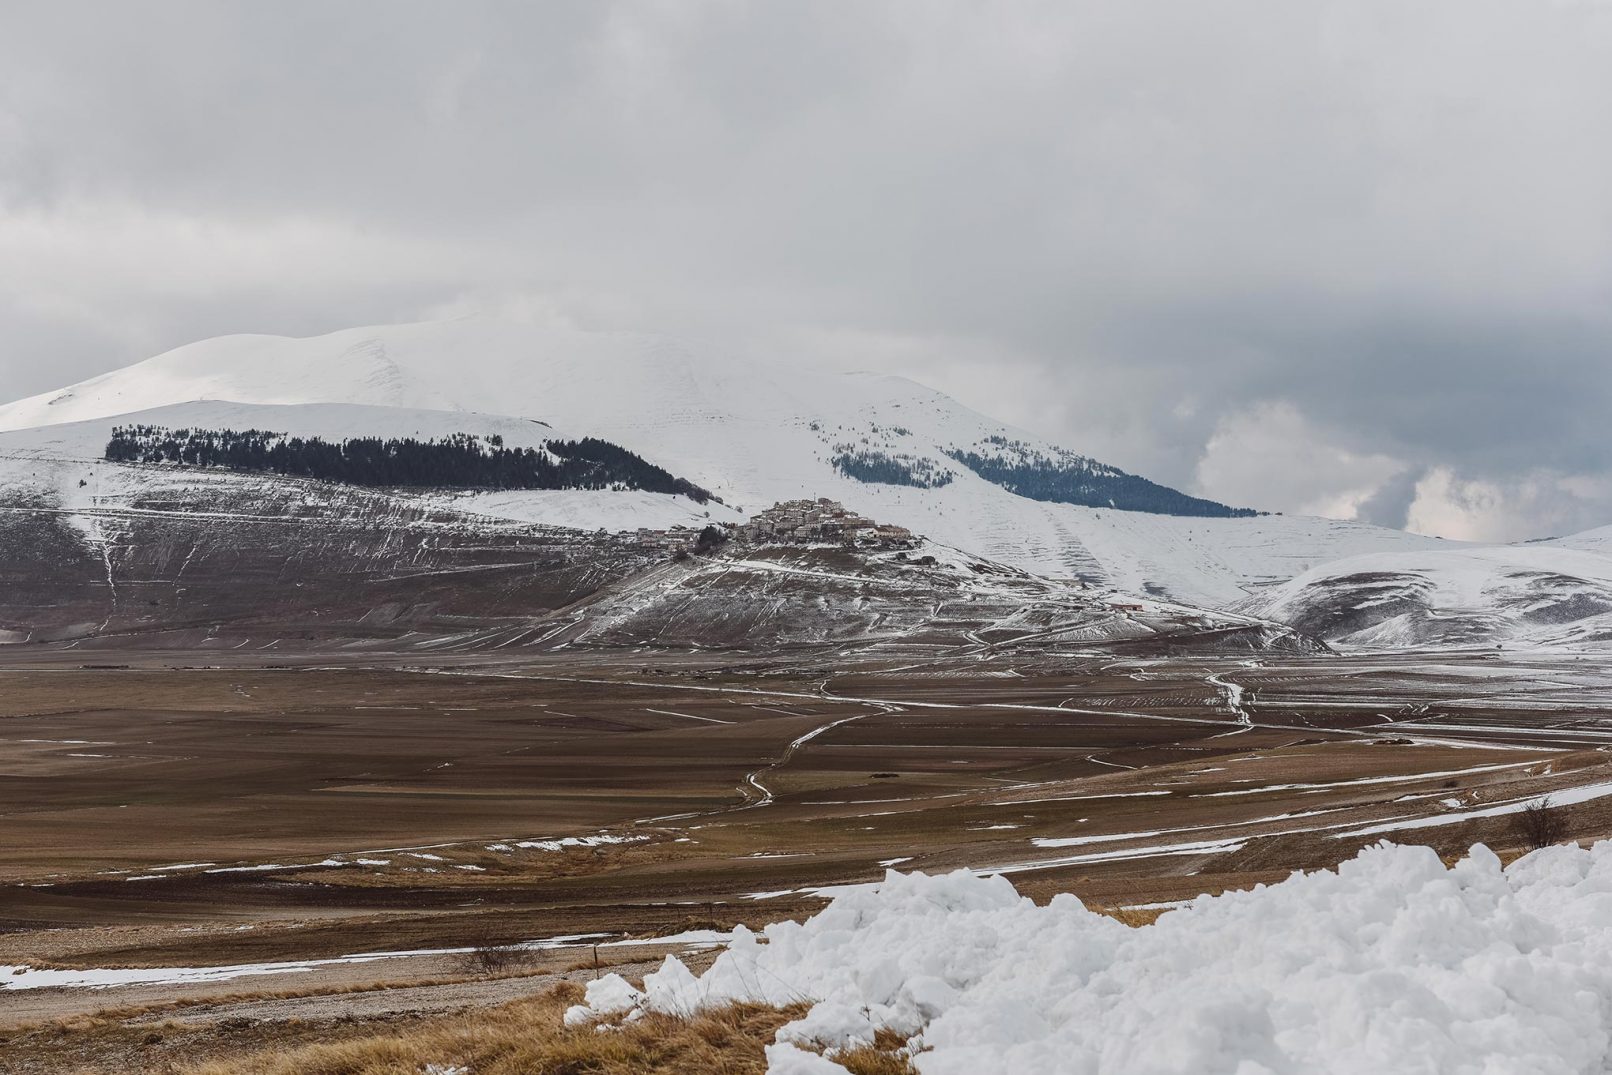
[
  {"x": 125, "y": 1012},
  {"x": 883, "y": 1057},
  {"x": 529, "y": 1038},
  {"x": 1130, "y": 916}
]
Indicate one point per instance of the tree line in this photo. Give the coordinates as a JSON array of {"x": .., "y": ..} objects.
[
  {"x": 1092, "y": 485},
  {"x": 879, "y": 468},
  {"x": 460, "y": 460}
]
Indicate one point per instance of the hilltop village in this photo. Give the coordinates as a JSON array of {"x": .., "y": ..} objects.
[{"x": 792, "y": 522}]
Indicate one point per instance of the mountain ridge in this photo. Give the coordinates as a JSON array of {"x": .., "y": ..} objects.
[
  {"x": 750, "y": 434},
  {"x": 1549, "y": 593},
  {"x": 341, "y": 367}
]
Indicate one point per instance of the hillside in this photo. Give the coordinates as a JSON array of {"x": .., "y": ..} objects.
[
  {"x": 749, "y": 433},
  {"x": 213, "y": 557},
  {"x": 1546, "y": 593},
  {"x": 932, "y": 599}
]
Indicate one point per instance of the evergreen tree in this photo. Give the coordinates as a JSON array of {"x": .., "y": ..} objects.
[
  {"x": 459, "y": 460},
  {"x": 1082, "y": 481}
]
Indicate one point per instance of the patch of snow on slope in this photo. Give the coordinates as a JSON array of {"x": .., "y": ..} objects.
[
  {"x": 1597, "y": 540},
  {"x": 1393, "y": 963},
  {"x": 591, "y": 509},
  {"x": 86, "y": 439}
]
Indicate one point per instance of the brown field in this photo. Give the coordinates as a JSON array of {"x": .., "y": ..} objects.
[{"x": 161, "y": 816}]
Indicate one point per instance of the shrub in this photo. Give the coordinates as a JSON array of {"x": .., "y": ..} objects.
[
  {"x": 489, "y": 956},
  {"x": 1539, "y": 824}
]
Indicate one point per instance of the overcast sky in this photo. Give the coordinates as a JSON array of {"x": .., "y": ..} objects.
[{"x": 1347, "y": 258}]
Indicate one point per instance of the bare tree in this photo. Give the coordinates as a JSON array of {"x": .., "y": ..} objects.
[{"x": 1539, "y": 824}]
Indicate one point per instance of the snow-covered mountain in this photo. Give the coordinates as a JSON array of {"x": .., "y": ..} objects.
[
  {"x": 100, "y": 555},
  {"x": 751, "y": 433},
  {"x": 1542, "y": 593}
]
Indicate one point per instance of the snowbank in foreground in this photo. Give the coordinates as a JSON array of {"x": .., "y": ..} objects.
[{"x": 1393, "y": 963}]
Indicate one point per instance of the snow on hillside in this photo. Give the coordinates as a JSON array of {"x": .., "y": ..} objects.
[
  {"x": 1540, "y": 593},
  {"x": 929, "y": 595},
  {"x": 753, "y": 435},
  {"x": 1391, "y": 964},
  {"x": 53, "y": 460},
  {"x": 1597, "y": 540},
  {"x": 86, "y": 439},
  {"x": 1211, "y": 562}
]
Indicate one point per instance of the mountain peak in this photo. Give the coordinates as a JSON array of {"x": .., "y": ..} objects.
[{"x": 750, "y": 432}]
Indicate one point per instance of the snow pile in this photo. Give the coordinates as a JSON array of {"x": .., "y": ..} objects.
[{"x": 1393, "y": 963}]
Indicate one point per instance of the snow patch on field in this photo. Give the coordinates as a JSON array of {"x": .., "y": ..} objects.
[
  {"x": 602, "y": 840},
  {"x": 1567, "y": 797},
  {"x": 1391, "y": 963},
  {"x": 21, "y": 977}
]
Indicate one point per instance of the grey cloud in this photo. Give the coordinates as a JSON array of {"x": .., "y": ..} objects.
[
  {"x": 1390, "y": 505},
  {"x": 1393, "y": 218}
]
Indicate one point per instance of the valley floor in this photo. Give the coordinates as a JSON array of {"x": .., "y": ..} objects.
[{"x": 177, "y": 836}]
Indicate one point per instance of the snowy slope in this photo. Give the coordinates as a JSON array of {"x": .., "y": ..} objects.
[
  {"x": 52, "y": 461},
  {"x": 749, "y": 433},
  {"x": 1541, "y": 593},
  {"x": 209, "y": 558},
  {"x": 1597, "y": 540},
  {"x": 929, "y": 597}
]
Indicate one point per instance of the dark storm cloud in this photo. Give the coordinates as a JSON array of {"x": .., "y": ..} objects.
[{"x": 1149, "y": 230}]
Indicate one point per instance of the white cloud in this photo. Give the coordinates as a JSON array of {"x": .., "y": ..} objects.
[
  {"x": 1541, "y": 504},
  {"x": 1271, "y": 457}
]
